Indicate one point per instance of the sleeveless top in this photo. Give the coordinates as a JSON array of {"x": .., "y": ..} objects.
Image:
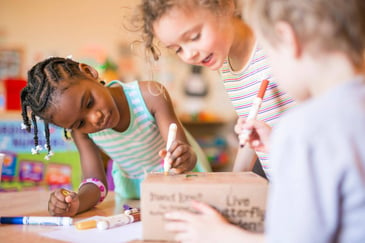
[
  {"x": 135, "y": 151},
  {"x": 242, "y": 87}
]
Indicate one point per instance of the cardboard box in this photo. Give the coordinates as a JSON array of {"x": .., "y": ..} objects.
[{"x": 240, "y": 196}]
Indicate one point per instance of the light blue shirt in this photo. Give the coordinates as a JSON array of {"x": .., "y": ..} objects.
[{"x": 317, "y": 189}]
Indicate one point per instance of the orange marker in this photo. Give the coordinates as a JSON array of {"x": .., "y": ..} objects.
[
  {"x": 256, "y": 104},
  {"x": 86, "y": 224}
]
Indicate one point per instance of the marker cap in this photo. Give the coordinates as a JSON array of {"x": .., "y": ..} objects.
[{"x": 11, "y": 220}]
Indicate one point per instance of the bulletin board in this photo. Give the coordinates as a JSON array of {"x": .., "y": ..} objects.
[
  {"x": 23, "y": 170},
  {"x": 11, "y": 62}
]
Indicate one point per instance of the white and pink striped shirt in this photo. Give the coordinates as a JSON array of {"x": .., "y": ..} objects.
[{"x": 242, "y": 87}]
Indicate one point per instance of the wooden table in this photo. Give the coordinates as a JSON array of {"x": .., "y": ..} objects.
[{"x": 34, "y": 203}]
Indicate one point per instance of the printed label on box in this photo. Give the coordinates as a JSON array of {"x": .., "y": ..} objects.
[{"x": 241, "y": 197}]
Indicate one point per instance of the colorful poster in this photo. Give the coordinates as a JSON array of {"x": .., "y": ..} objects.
[{"x": 24, "y": 171}]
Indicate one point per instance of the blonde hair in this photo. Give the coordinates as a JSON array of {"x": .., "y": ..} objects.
[{"x": 319, "y": 24}]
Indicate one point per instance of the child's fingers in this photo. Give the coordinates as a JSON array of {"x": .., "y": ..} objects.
[
  {"x": 239, "y": 124},
  {"x": 57, "y": 207},
  {"x": 179, "y": 160},
  {"x": 162, "y": 153},
  {"x": 69, "y": 198},
  {"x": 58, "y": 198},
  {"x": 249, "y": 124},
  {"x": 256, "y": 143},
  {"x": 179, "y": 216},
  {"x": 203, "y": 208},
  {"x": 175, "y": 226},
  {"x": 59, "y": 211},
  {"x": 68, "y": 195},
  {"x": 180, "y": 150}
]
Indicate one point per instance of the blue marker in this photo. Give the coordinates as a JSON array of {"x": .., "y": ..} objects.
[{"x": 57, "y": 221}]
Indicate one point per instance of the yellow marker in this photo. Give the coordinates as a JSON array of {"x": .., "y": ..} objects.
[
  {"x": 65, "y": 192},
  {"x": 86, "y": 224}
]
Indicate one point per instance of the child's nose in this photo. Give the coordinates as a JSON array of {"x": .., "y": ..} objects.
[
  {"x": 190, "y": 54},
  {"x": 96, "y": 118}
]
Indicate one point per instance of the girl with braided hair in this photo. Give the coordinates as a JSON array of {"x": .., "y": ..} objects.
[{"x": 128, "y": 121}]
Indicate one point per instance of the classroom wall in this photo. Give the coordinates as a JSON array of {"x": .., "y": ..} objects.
[
  {"x": 92, "y": 31},
  {"x": 65, "y": 27}
]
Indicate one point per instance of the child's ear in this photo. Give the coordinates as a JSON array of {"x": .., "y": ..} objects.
[
  {"x": 288, "y": 38},
  {"x": 89, "y": 70}
]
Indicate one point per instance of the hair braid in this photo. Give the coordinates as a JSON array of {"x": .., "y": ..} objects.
[
  {"x": 35, "y": 137},
  {"x": 43, "y": 80},
  {"x": 48, "y": 141}
]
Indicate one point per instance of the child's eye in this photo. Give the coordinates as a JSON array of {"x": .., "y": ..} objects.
[
  {"x": 178, "y": 50},
  {"x": 195, "y": 37},
  {"x": 81, "y": 124},
  {"x": 90, "y": 102}
]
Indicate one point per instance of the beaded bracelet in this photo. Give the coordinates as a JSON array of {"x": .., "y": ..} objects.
[{"x": 99, "y": 184}]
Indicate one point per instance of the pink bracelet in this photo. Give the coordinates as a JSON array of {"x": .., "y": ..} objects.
[{"x": 99, "y": 184}]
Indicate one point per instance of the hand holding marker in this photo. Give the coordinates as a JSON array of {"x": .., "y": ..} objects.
[
  {"x": 170, "y": 138},
  {"x": 256, "y": 104},
  {"x": 40, "y": 220}
]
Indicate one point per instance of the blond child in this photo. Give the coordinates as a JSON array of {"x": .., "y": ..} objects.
[{"x": 317, "y": 192}]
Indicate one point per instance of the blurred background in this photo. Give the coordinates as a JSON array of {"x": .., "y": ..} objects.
[{"x": 97, "y": 33}]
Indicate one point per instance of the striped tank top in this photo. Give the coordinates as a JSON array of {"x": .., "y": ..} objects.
[
  {"x": 242, "y": 87},
  {"x": 135, "y": 151}
]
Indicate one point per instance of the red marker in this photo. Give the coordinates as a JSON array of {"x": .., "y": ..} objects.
[{"x": 256, "y": 104}]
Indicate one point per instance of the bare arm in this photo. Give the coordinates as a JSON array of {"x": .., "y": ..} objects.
[
  {"x": 245, "y": 159},
  {"x": 159, "y": 103},
  {"x": 92, "y": 167},
  {"x": 89, "y": 194}
]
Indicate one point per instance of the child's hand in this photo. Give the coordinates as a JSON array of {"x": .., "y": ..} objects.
[
  {"x": 182, "y": 157},
  {"x": 260, "y": 135},
  {"x": 205, "y": 226},
  {"x": 63, "y": 203}
]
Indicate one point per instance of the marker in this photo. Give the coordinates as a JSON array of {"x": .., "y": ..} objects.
[
  {"x": 256, "y": 104},
  {"x": 118, "y": 220},
  {"x": 86, "y": 224},
  {"x": 34, "y": 220},
  {"x": 65, "y": 192},
  {"x": 170, "y": 138}
]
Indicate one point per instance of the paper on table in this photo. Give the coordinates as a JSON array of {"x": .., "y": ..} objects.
[{"x": 120, "y": 234}]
